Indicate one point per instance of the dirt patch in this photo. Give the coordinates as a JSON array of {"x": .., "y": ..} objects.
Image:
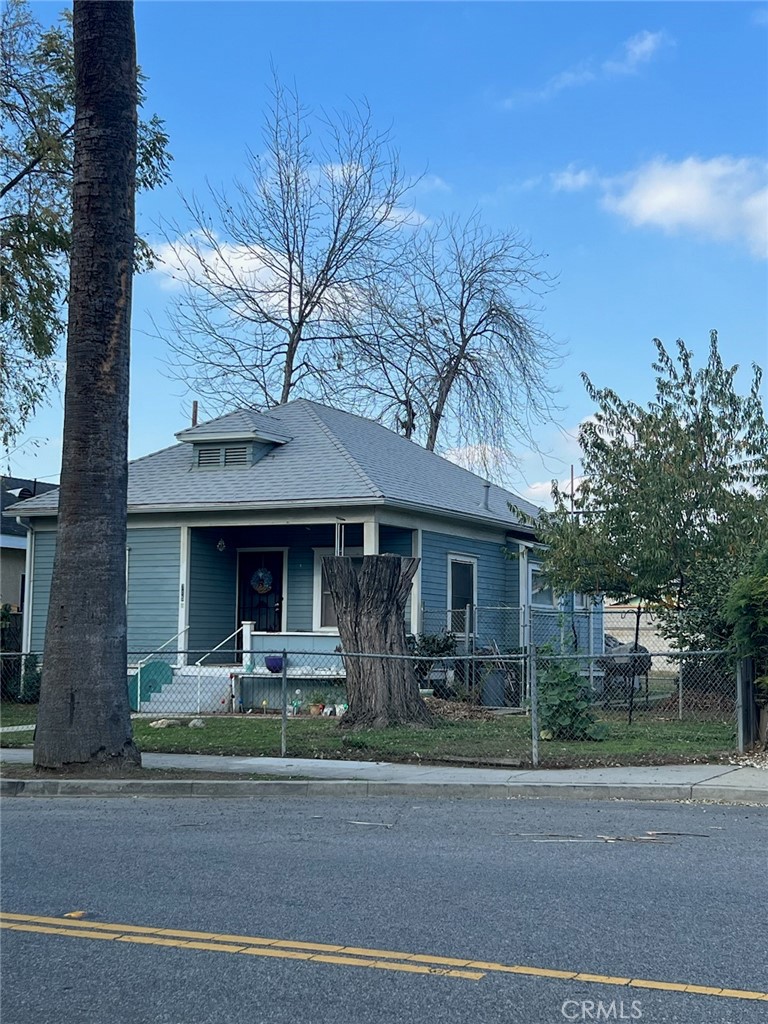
[
  {"x": 457, "y": 711},
  {"x": 756, "y": 759}
]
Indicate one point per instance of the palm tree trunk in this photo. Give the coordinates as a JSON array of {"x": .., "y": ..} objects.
[{"x": 84, "y": 715}]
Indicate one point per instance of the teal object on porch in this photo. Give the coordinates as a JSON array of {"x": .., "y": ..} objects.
[{"x": 154, "y": 676}]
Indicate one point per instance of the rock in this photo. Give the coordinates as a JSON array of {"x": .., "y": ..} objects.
[
  {"x": 164, "y": 723},
  {"x": 197, "y": 723}
]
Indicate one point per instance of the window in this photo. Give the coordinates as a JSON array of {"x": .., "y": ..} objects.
[
  {"x": 542, "y": 594},
  {"x": 462, "y": 593},
  {"x": 324, "y": 616}
]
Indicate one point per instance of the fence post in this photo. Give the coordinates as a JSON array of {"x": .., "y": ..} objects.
[
  {"x": 534, "y": 708},
  {"x": 284, "y": 703},
  {"x": 680, "y": 690},
  {"x": 745, "y": 705},
  {"x": 199, "y": 685},
  {"x": 138, "y": 688}
]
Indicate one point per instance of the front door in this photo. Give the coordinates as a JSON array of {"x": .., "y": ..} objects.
[{"x": 260, "y": 597}]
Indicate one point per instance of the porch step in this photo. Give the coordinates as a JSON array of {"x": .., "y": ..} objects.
[{"x": 191, "y": 690}]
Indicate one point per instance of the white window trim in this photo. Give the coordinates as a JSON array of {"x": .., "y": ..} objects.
[
  {"x": 317, "y": 587},
  {"x": 466, "y": 559},
  {"x": 284, "y": 609},
  {"x": 533, "y": 569}
]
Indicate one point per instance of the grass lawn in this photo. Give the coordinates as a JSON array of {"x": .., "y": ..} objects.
[
  {"x": 504, "y": 739},
  {"x": 17, "y": 714}
]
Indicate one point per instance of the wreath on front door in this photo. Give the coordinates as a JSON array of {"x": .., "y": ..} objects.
[{"x": 261, "y": 581}]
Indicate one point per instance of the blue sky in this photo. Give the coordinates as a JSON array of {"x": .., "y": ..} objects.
[{"x": 629, "y": 141}]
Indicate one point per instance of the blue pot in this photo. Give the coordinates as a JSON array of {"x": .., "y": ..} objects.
[{"x": 274, "y": 662}]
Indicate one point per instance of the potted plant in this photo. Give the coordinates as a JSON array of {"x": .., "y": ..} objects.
[
  {"x": 316, "y": 703},
  {"x": 273, "y": 662}
]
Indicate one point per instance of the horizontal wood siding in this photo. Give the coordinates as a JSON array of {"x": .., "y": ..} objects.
[
  {"x": 395, "y": 540},
  {"x": 212, "y": 592},
  {"x": 301, "y": 565},
  {"x": 213, "y": 574},
  {"x": 42, "y": 572},
  {"x": 493, "y": 585},
  {"x": 512, "y": 575},
  {"x": 153, "y": 587}
]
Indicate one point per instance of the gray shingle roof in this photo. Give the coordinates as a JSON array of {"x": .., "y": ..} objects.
[
  {"x": 332, "y": 458},
  {"x": 8, "y": 525},
  {"x": 239, "y": 425}
]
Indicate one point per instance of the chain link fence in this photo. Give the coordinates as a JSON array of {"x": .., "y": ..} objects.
[{"x": 542, "y": 705}]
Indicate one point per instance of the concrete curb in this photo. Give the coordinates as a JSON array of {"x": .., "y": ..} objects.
[{"x": 247, "y": 789}]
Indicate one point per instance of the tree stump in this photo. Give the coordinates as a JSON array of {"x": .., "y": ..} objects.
[{"x": 370, "y": 609}]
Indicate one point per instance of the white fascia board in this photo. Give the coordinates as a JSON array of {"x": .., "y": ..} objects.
[{"x": 394, "y": 513}]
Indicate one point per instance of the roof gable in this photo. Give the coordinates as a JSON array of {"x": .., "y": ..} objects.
[{"x": 241, "y": 425}]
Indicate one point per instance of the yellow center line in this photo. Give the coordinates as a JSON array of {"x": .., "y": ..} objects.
[
  {"x": 182, "y": 940},
  {"x": 327, "y": 953}
]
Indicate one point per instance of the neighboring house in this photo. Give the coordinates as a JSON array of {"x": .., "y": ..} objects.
[
  {"x": 13, "y": 540},
  {"x": 230, "y": 525}
]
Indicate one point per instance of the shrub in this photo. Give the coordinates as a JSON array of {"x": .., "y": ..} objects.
[{"x": 565, "y": 711}]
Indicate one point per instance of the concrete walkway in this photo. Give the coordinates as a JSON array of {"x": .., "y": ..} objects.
[{"x": 718, "y": 783}]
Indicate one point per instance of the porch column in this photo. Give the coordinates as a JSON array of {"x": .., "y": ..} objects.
[
  {"x": 183, "y": 639},
  {"x": 371, "y": 538},
  {"x": 29, "y": 568},
  {"x": 416, "y": 588}
]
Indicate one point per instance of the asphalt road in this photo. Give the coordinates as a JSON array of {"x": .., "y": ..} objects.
[{"x": 486, "y": 884}]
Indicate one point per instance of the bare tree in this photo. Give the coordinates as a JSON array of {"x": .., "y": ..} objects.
[
  {"x": 450, "y": 349},
  {"x": 266, "y": 271},
  {"x": 84, "y": 715}
]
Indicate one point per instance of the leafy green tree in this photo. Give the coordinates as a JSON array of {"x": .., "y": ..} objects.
[
  {"x": 674, "y": 496},
  {"x": 746, "y": 610},
  {"x": 36, "y": 159}
]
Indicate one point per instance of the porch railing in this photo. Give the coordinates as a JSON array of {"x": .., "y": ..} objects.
[{"x": 199, "y": 662}]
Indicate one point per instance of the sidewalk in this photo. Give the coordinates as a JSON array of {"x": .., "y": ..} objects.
[{"x": 717, "y": 783}]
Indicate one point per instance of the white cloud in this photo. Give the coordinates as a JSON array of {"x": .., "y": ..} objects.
[
  {"x": 181, "y": 262},
  {"x": 572, "y": 179},
  {"x": 540, "y": 491},
  {"x": 568, "y": 79},
  {"x": 406, "y": 216},
  {"x": 432, "y": 183},
  {"x": 636, "y": 51},
  {"x": 724, "y": 198},
  {"x": 480, "y": 458}
]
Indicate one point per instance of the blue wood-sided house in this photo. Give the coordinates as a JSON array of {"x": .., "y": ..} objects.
[{"x": 229, "y": 526}]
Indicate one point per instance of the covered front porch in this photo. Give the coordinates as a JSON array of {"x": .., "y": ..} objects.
[{"x": 269, "y": 576}]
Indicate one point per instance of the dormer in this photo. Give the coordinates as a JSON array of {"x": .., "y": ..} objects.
[{"x": 237, "y": 440}]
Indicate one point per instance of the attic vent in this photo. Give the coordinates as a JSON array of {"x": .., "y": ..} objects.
[
  {"x": 236, "y": 456},
  {"x": 209, "y": 456}
]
